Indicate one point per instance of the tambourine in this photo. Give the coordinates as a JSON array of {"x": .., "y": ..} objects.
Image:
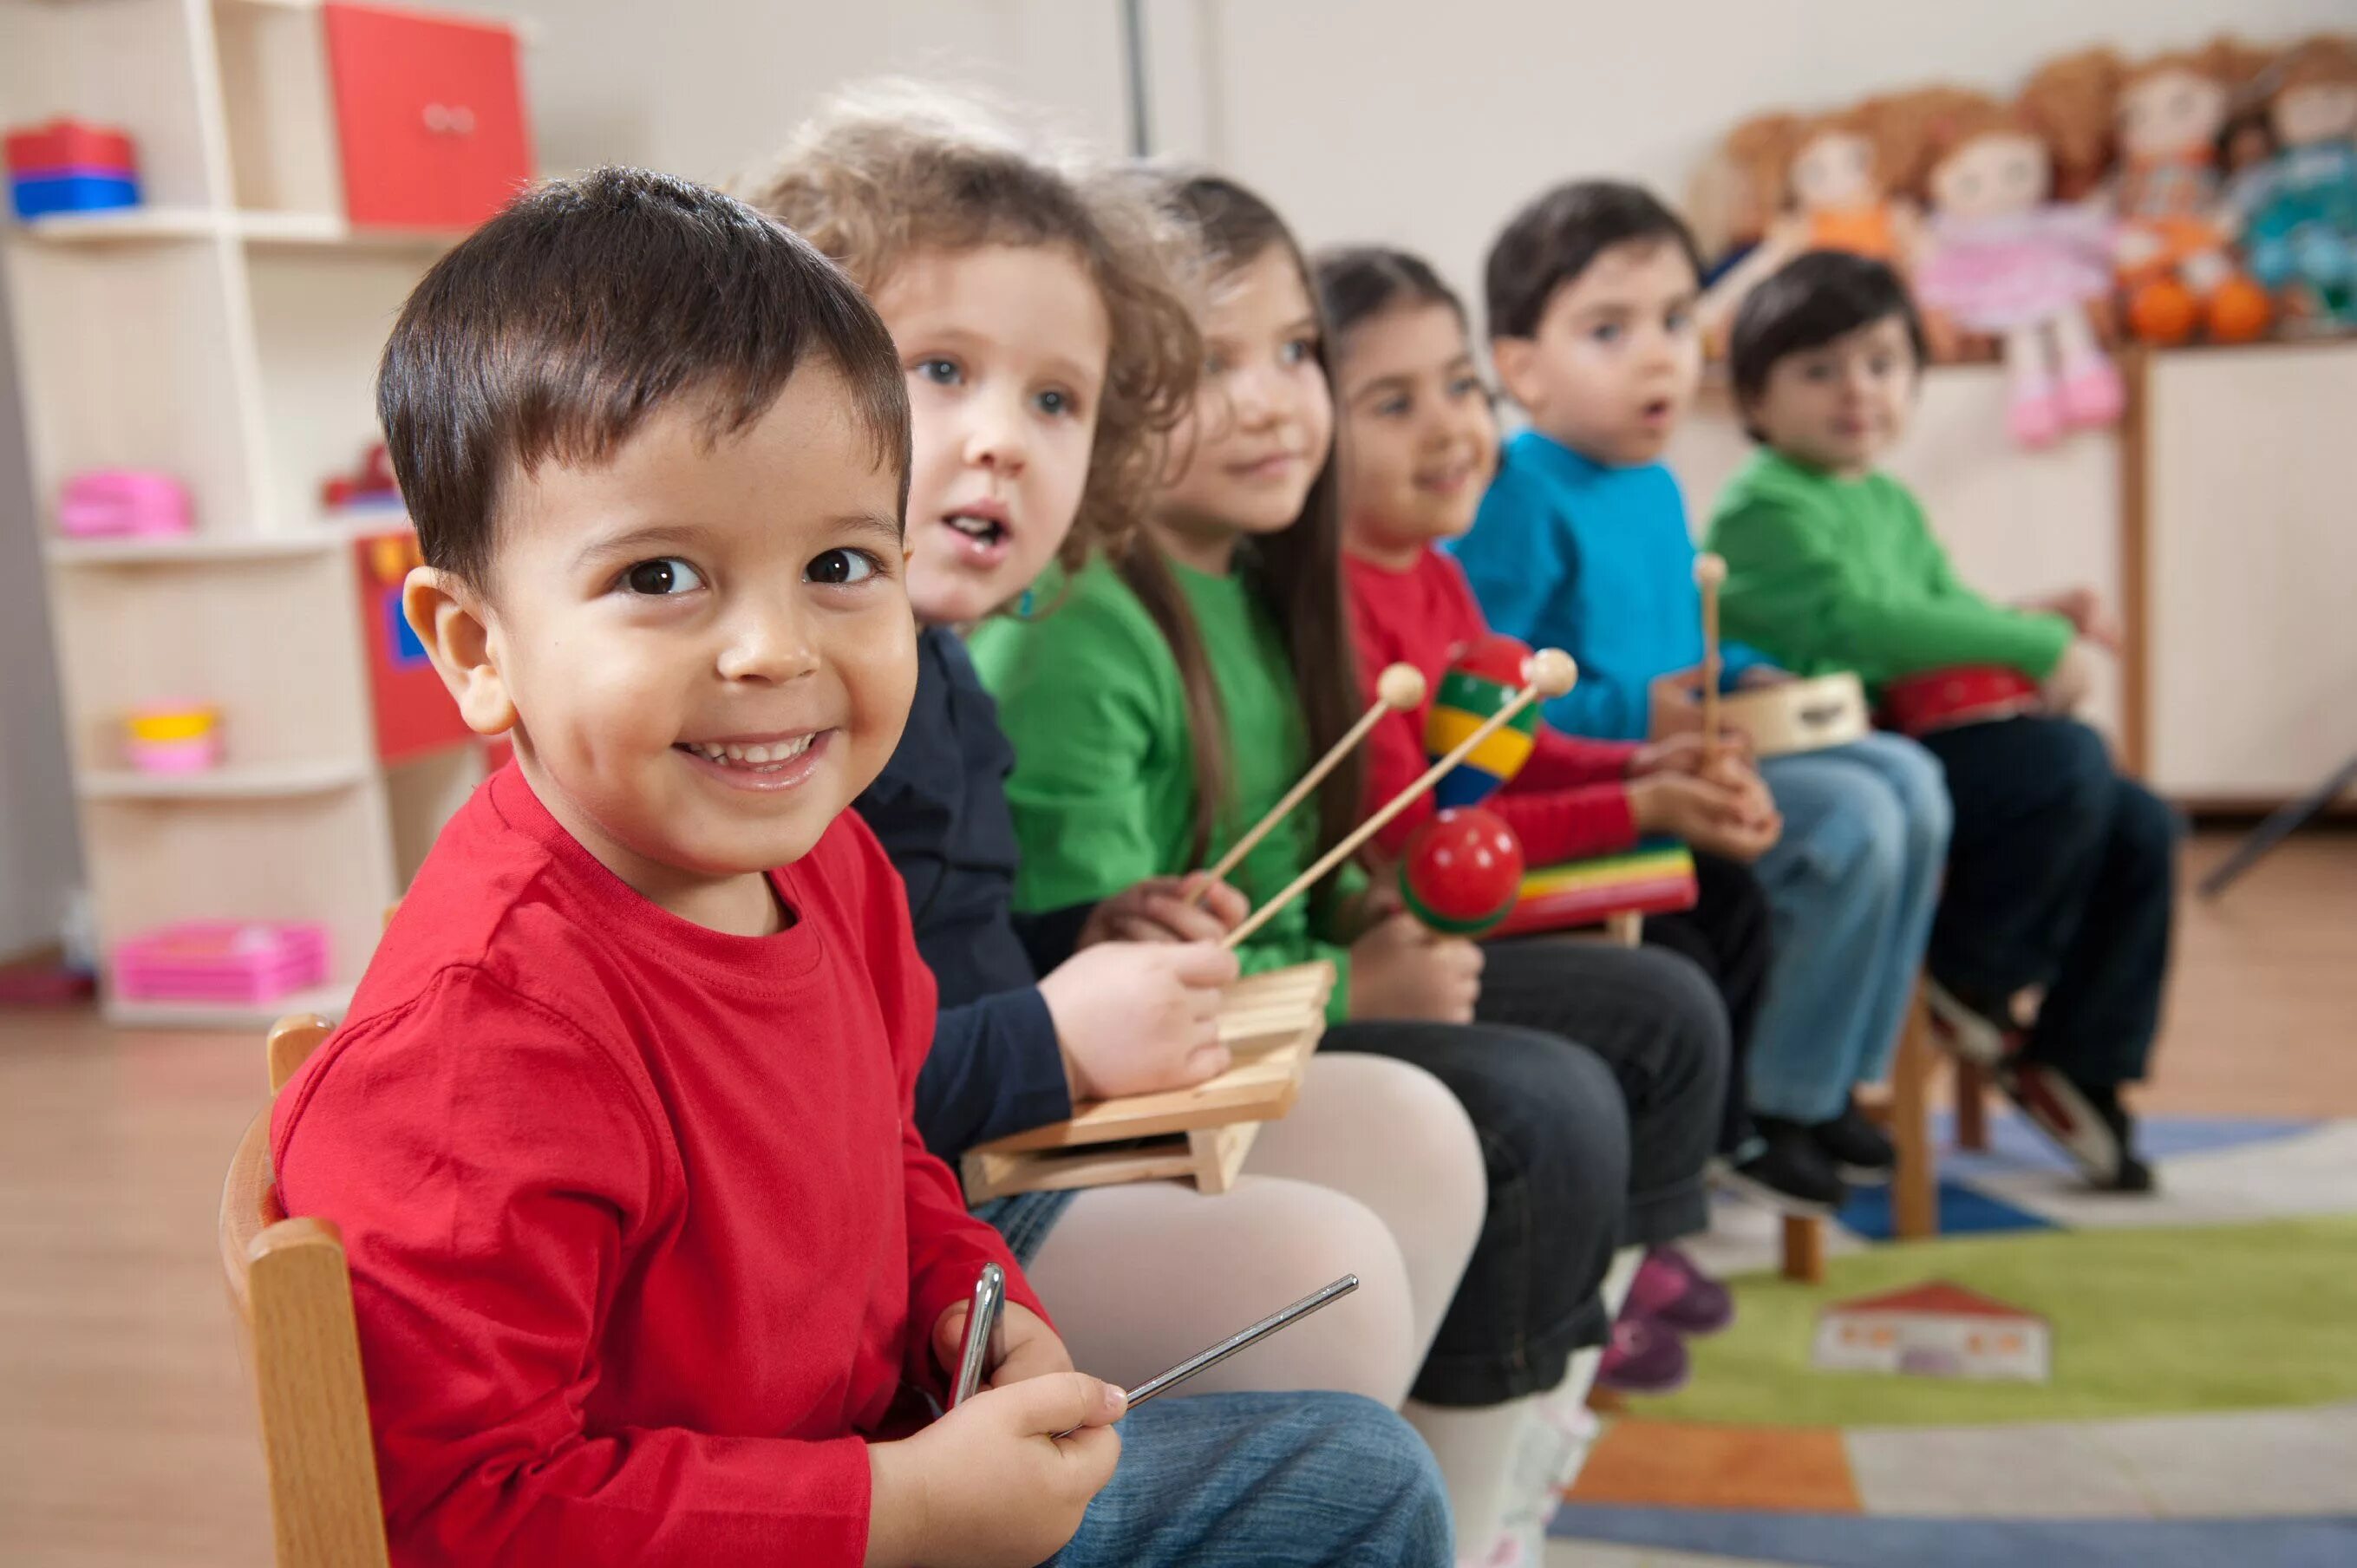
[{"x": 1794, "y": 716}]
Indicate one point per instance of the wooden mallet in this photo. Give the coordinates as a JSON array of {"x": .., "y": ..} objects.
[
  {"x": 1549, "y": 674},
  {"x": 1398, "y": 689},
  {"x": 1709, "y": 571}
]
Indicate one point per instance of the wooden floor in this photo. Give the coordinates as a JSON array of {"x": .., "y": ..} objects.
[{"x": 125, "y": 1433}]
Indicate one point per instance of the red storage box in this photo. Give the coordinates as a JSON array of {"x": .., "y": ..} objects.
[
  {"x": 429, "y": 112},
  {"x": 66, "y": 146}
]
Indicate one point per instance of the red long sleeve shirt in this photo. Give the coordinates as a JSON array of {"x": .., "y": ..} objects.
[
  {"x": 1568, "y": 801},
  {"x": 642, "y": 1238}
]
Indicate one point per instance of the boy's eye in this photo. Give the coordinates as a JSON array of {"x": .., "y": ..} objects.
[
  {"x": 1880, "y": 364},
  {"x": 1465, "y": 387},
  {"x": 1298, "y": 352},
  {"x": 1393, "y": 407},
  {"x": 1817, "y": 371},
  {"x": 1605, "y": 332},
  {"x": 1678, "y": 319},
  {"x": 940, "y": 371},
  {"x": 666, "y": 576},
  {"x": 841, "y": 567}
]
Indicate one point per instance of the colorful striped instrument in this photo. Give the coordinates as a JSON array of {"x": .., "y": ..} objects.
[
  {"x": 1482, "y": 679},
  {"x": 1654, "y": 878}
]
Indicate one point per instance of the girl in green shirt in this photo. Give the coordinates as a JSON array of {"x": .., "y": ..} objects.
[{"x": 1162, "y": 701}]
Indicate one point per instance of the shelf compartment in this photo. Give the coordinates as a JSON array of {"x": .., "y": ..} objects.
[{"x": 230, "y": 782}]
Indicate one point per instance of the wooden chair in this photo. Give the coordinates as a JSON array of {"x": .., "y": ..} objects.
[
  {"x": 293, "y": 1294},
  {"x": 1905, "y": 1113}
]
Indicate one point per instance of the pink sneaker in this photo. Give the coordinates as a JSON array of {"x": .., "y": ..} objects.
[
  {"x": 1644, "y": 1358},
  {"x": 2034, "y": 417},
  {"x": 2093, "y": 395},
  {"x": 1669, "y": 1290}
]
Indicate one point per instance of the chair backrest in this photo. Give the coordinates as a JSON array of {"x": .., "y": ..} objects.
[{"x": 293, "y": 1294}]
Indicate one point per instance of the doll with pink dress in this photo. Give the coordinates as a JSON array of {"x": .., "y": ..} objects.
[{"x": 2000, "y": 258}]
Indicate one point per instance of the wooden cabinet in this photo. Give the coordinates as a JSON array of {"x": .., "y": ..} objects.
[{"x": 430, "y": 115}]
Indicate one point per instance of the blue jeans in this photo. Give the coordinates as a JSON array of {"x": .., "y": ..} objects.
[
  {"x": 1286, "y": 1480},
  {"x": 1852, "y": 887}
]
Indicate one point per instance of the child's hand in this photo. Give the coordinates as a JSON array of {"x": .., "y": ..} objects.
[
  {"x": 1162, "y": 909},
  {"x": 1134, "y": 1018},
  {"x": 1682, "y": 718},
  {"x": 1032, "y": 1348},
  {"x": 1682, "y": 753},
  {"x": 2085, "y": 612},
  {"x": 1401, "y": 970},
  {"x": 990, "y": 1485},
  {"x": 1718, "y": 813},
  {"x": 2074, "y": 676}
]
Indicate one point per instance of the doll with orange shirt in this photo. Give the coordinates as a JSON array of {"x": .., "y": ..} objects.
[{"x": 1817, "y": 182}]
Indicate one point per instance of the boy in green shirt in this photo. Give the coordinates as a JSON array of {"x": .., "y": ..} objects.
[{"x": 2051, "y": 944}]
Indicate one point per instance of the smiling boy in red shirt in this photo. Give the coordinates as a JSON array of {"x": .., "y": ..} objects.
[{"x": 649, "y": 1261}]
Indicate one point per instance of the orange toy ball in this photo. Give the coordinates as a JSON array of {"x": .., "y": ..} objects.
[
  {"x": 2239, "y": 311},
  {"x": 2163, "y": 312}
]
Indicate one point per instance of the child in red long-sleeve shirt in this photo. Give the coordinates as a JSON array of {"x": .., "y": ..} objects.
[
  {"x": 649, "y": 1261},
  {"x": 1419, "y": 443}
]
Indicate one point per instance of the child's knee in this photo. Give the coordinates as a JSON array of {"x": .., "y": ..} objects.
[
  {"x": 2147, "y": 825},
  {"x": 1379, "y": 1467}
]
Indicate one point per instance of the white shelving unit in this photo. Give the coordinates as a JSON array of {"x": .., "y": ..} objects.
[{"x": 226, "y": 332}]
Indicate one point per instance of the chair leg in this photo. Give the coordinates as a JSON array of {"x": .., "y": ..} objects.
[
  {"x": 1972, "y": 1107},
  {"x": 1805, "y": 1249},
  {"x": 1915, "y": 1184}
]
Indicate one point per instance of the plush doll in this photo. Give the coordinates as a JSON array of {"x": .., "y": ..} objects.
[
  {"x": 1826, "y": 181},
  {"x": 2163, "y": 118},
  {"x": 1999, "y": 257},
  {"x": 2300, "y": 211}
]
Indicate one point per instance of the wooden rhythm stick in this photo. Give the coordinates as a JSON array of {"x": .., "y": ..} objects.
[
  {"x": 1550, "y": 674},
  {"x": 1399, "y": 689},
  {"x": 1709, "y": 571}
]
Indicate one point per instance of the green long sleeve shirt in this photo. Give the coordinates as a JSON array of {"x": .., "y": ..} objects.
[
  {"x": 1826, "y": 574},
  {"x": 1103, "y": 787}
]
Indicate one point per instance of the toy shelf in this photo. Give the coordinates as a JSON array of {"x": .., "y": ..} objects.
[
  {"x": 226, "y": 333},
  {"x": 265, "y": 782}
]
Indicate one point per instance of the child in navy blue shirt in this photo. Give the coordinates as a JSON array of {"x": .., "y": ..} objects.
[{"x": 1582, "y": 543}]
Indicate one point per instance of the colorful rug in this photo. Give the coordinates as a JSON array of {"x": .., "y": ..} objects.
[{"x": 2203, "y": 1407}]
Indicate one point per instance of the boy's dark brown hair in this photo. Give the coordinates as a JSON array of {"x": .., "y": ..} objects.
[
  {"x": 1558, "y": 235},
  {"x": 1807, "y": 303},
  {"x": 1298, "y": 571},
  {"x": 553, "y": 331},
  {"x": 893, "y": 168},
  {"x": 1359, "y": 283}
]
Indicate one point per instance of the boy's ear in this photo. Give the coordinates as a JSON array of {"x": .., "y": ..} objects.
[
  {"x": 451, "y": 619},
  {"x": 1515, "y": 360}
]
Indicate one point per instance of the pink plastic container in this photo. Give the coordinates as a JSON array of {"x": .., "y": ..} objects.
[
  {"x": 198, "y": 753},
  {"x": 221, "y": 961},
  {"x": 123, "y": 503}
]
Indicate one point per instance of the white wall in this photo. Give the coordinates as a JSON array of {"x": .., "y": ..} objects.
[{"x": 1424, "y": 123}]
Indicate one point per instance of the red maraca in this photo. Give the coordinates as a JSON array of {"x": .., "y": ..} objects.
[{"x": 1461, "y": 871}]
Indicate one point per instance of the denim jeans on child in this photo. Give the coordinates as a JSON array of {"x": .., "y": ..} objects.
[
  {"x": 2062, "y": 874},
  {"x": 1852, "y": 885},
  {"x": 1294, "y": 1480}
]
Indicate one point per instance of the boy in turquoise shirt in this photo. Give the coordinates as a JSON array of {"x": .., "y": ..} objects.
[
  {"x": 2061, "y": 877},
  {"x": 1581, "y": 544}
]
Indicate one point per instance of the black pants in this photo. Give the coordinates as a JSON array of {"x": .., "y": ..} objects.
[
  {"x": 1587, "y": 1145},
  {"x": 2062, "y": 874},
  {"x": 1726, "y": 933}
]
